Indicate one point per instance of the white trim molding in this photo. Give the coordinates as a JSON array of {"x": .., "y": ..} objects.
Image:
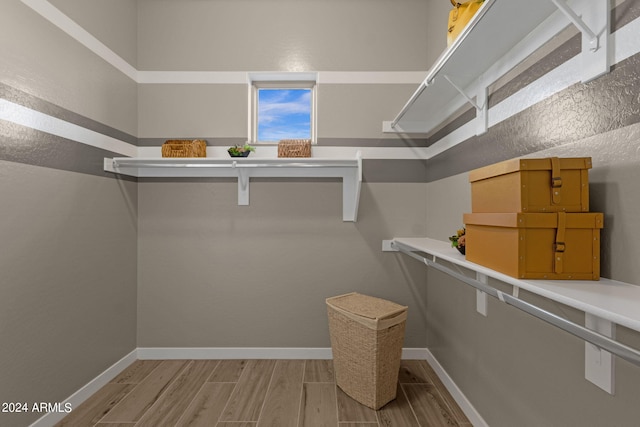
[
  {"x": 220, "y": 353},
  {"x": 66, "y": 24},
  {"x": 24, "y": 116},
  {"x": 82, "y": 36},
  {"x": 469, "y": 410}
]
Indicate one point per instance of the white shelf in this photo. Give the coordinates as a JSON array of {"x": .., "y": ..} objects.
[
  {"x": 497, "y": 38},
  {"x": 605, "y": 304},
  {"x": 611, "y": 300},
  {"x": 350, "y": 170}
]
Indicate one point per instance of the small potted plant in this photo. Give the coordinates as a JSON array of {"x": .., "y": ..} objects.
[
  {"x": 240, "y": 150},
  {"x": 458, "y": 241}
]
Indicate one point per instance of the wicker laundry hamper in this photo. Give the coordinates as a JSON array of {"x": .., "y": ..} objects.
[{"x": 367, "y": 334}]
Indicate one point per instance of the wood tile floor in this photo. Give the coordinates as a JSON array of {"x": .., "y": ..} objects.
[{"x": 257, "y": 393}]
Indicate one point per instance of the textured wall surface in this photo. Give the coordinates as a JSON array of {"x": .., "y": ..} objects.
[
  {"x": 282, "y": 36},
  {"x": 68, "y": 267},
  {"x": 214, "y": 274},
  {"x": 40, "y": 60},
  {"x": 114, "y": 23},
  {"x": 67, "y": 281},
  {"x": 268, "y": 267},
  {"x": 534, "y": 370},
  {"x": 515, "y": 369},
  {"x": 97, "y": 266},
  {"x": 580, "y": 111}
]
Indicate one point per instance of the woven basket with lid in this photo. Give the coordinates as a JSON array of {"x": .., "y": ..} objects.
[
  {"x": 294, "y": 148},
  {"x": 367, "y": 334}
]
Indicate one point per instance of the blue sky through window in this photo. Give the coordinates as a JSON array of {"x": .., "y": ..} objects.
[{"x": 284, "y": 114}]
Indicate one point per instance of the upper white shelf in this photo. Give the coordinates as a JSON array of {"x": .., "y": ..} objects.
[
  {"x": 487, "y": 43},
  {"x": 245, "y": 168},
  {"x": 607, "y": 299}
]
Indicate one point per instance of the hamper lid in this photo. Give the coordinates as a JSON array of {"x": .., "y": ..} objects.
[{"x": 366, "y": 306}]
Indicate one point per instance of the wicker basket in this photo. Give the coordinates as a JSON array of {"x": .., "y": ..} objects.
[
  {"x": 367, "y": 334},
  {"x": 184, "y": 148},
  {"x": 294, "y": 148}
]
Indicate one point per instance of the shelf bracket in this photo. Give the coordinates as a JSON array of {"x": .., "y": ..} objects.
[
  {"x": 480, "y": 104},
  {"x": 481, "y": 296},
  {"x": 243, "y": 187},
  {"x": 592, "y": 18},
  {"x": 599, "y": 364},
  {"x": 463, "y": 93}
]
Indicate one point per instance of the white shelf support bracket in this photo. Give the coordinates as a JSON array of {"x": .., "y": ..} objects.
[
  {"x": 482, "y": 113},
  {"x": 592, "y": 18},
  {"x": 351, "y": 184},
  {"x": 387, "y": 246},
  {"x": 462, "y": 92},
  {"x": 481, "y": 297},
  {"x": 599, "y": 364},
  {"x": 243, "y": 187},
  {"x": 480, "y": 104}
]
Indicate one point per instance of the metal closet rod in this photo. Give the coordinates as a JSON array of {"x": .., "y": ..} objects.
[{"x": 625, "y": 352}]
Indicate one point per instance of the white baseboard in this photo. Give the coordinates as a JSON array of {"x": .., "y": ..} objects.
[
  {"x": 85, "y": 392},
  {"x": 161, "y": 353},
  {"x": 474, "y": 416},
  {"x": 165, "y": 353}
]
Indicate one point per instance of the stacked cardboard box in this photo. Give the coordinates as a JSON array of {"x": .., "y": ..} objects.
[{"x": 530, "y": 219}]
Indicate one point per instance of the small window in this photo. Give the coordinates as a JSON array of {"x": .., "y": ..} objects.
[{"x": 283, "y": 110}]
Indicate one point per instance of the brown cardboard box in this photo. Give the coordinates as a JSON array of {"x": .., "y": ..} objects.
[
  {"x": 532, "y": 185},
  {"x": 536, "y": 245}
]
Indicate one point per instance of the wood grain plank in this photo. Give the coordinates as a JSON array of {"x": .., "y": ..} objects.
[
  {"x": 435, "y": 380},
  {"x": 136, "y": 372},
  {"x": 259, "y": 392},
  {"x": 349, "y": 424},
  {"x": 428, "y": 405},
  {"x": 145, "y": 394},
  {"x": 397, "y": 413},
  {"x": 351, "y": 410},
  {"x": 318, "y": 406},
  {"x": 319, "y": 371},
  {"x": 247, "y": 398},
  {"x": 411, "y": 371},
  {"x": 96, "y": 406},
  {"x": 115, "y": 424},
  {"x": 208, "y": 404},
  {"x": 171, "y": 405},
  {"x": 236, "y": 424},
  {"x": 228, "y": 371},
  {"x": 282, "y": 403}
]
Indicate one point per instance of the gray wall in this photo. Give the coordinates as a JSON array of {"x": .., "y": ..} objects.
[
  {"x": 68, "y": 259},
  {"x": 516, "y": 369},
  {"x": 253, "y": 36},
  {"x": 284, "y": 35},
  {"x": 215, "y": 274},
  {"x": 114, "y": 23},
  {"x": 97, "y": 266}
]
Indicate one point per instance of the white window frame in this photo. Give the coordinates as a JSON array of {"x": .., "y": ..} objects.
[{"x": 280, "y": 81}]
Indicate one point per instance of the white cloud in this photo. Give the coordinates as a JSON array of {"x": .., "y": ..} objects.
[{"x": 285, "y": 113}]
